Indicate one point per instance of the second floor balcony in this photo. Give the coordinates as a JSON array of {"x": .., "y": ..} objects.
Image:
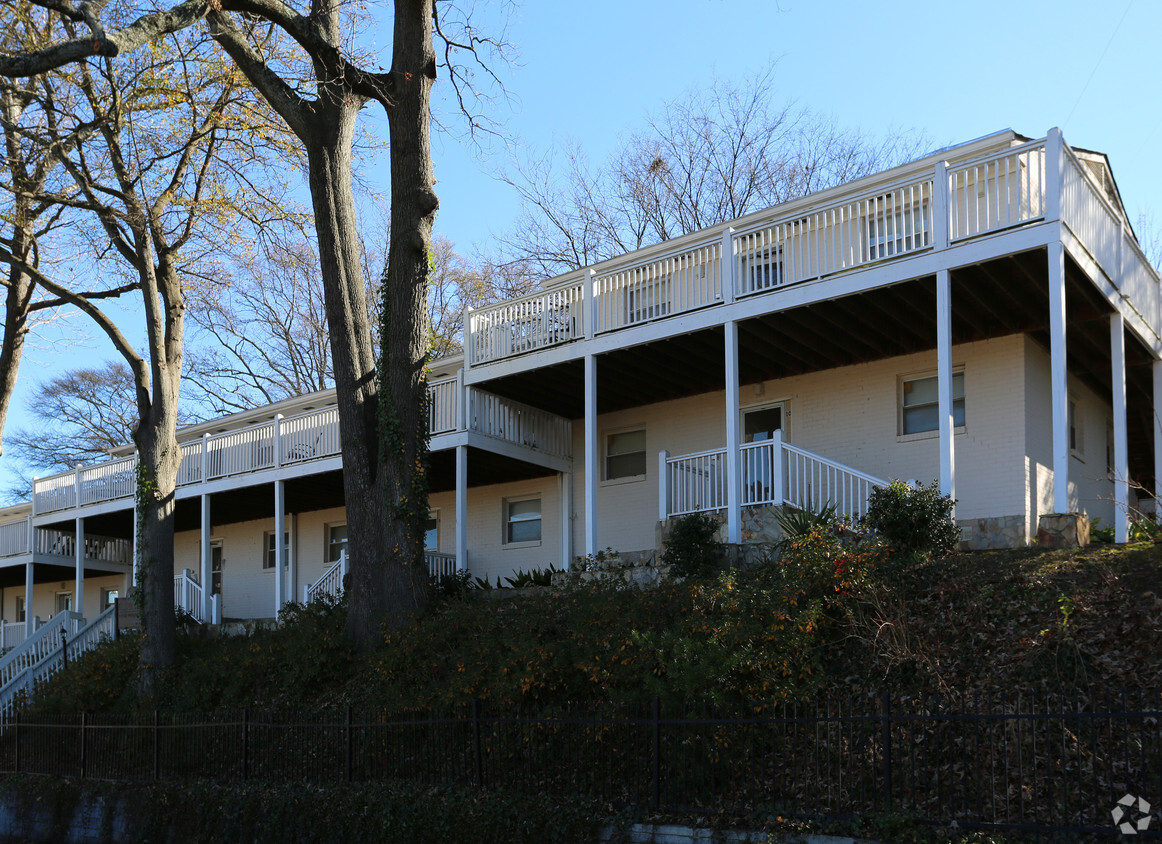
[
  {"x": 934, "y": 205},
  {"x": 306, "y": 440}
]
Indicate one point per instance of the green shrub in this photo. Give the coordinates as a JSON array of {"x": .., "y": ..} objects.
[
  {"x": 453, "y": 585},
  {"x": 913, "y": 519},
  {"x": 692, "y": 550},
  {"x": 795, "y": 522}
]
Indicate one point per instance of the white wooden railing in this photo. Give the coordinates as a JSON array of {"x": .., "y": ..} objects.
[
  {"x": 331, "y": 583},
  {"x": 440, "y": 564},
  {"x": 537, "y": 321},
  {"x": 932, "y": 207},
  {"x": 66, "y": 637},
  {"x": 667, "y": 284},
  {"x": 309, "y": 436},
  {"x": 442, "y": 401},
  {"x": 885, "y": 223},
  {"x": 107, "y": 481},
  {"x": 814, "y": 482},
  {"x": 1096, "y": 222},
  {"x": 693, "y": 483},
  {"x": 771, "y": 472},
  {"x": 996, "y": 191},
  {"x": 41, "y": 643},
  {"x": 290, "y": 440},
  {"x": 14, "y": 537},
  {"x": 107, "y": 549},
  {"x": 13, "y": 633},
  {"x": 187, "y": 595},
  {"x": 519, "y": 423}
]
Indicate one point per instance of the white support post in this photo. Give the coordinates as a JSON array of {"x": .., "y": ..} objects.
[
  {"x": 1054, "y": 165},
  {"x": 205, "y": 457},
  {"x": 946, "y": 420},
  {"x": 591, "y": 461},
  {"x": 466, "y": 331},
  {"x": 1058, "y": 379},
  {"x": 461, "y": 402},
  {"x": 77, "y": 486},
  {"x": 663, "y": 485},
  {"x": 279, "y": 548},
  {"x": 940, "y": 237},
  {"x": 79, "y": 553},
  {"x": 733, "y": 458},
  {"x": 277, "y": 441},
  {"x": 729, "y": 284},
  {"x": 589, "y": 303},
  {"x": 461, "y": 508},
  {"x": 1121, "y": 452},
  {"x": 565, "y": 486},
  {"x": 778, "y": 486},
  {"x": 1156, "y": 417},
  {"x": 207, "y": 576},
  {"x": 29, "y": 623}
]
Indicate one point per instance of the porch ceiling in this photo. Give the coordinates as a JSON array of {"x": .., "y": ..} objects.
[
  {"x": 13, "y": 576},
  {"x": 484, "y": 468}
]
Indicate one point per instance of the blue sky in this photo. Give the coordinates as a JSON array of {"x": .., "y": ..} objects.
[{"x": 589, "y": 73}]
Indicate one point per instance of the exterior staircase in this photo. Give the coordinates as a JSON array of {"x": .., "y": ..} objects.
[{"x": 46, "y": 651}]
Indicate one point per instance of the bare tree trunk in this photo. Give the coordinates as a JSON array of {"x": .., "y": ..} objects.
[{"x": 16, "y": 311}]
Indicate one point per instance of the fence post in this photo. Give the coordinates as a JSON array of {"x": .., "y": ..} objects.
[
  {"x": 156, "y": 746},
  {"x": 886, "y": 741},
  {"x": 476, "y": 741},
  {"x": 84, "y": 756},
  {"x": 657, "y": 739},
  {"x": 349, "y": 746},
  {"x": 246, "y": 743},
  {"x": 16, "y": 740}
]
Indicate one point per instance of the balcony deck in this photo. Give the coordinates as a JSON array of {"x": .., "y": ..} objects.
[
  {"x": 309, "y": 442},
  {"x": 932, "y": 207}
]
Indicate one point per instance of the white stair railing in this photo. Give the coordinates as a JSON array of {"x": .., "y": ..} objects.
[
  {"x": 772, "y": 472},
  {"x": 187, "y": 595},
  {"x": 440, "y": 564},
  {"x": 68, "y": 638},
  {"x": 331, "y": 583}
]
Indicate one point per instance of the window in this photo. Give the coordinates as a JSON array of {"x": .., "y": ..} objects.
[
  {"x": 625, "y": 454},
  {"x": 20, "y": 608},
  {"x": 432, "y": 534},
  {"x": 109, "y": 597},
  {"x": 894, "y": 232},
  {"x": 762, "y": 269},
  {"x": 269, "y": 551},
  {"x": 522, "y": 521},
  {"x": 919, "y": 403},
  {"x": 647, "y": 301},
  {"x": 64, "y": 602},
  {"x": 336, "y": 542}
]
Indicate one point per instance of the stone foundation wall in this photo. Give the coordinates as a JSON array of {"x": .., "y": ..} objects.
[{"x": 994, "y": 533}]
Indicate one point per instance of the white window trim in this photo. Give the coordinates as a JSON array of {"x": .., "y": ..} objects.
[
  {"x": 626, "y": 479},
  {"x": 327, "y": 527},
  {"x": 901, "y": 437},
  {"x": 516, "y": 499},
  {"x": 266, "y": 534}
]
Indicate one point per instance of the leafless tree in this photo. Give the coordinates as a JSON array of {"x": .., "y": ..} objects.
[
  {"x": 711, "y": 156},
  {"x": 150, "y": 189},
  {"x": 381, "y": 407},
  {"x": 77, "y": 417}
]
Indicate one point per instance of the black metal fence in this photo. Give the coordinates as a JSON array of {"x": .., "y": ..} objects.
[{"x": 1036, "y": 762}]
